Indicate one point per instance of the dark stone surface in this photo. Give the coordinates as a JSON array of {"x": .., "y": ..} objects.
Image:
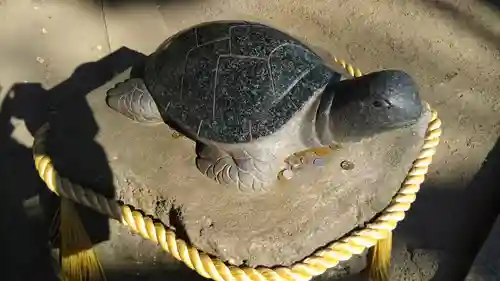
[
  {"x": 234, "y": 81},
  {"x": 372, "y": 104}
]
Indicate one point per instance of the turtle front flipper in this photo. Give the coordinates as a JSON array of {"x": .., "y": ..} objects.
[
  {"x": 243, "y": 170},
  {"x": 132, "y": 99}
]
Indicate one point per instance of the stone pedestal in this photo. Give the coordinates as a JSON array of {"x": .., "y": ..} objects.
[{"x": 147, "y": 168}]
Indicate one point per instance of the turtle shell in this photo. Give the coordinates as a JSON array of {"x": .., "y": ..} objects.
[{"x": 233, "y": 81}]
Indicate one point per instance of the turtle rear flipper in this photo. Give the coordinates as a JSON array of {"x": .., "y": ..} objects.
[{"x": 132, "y": 99}]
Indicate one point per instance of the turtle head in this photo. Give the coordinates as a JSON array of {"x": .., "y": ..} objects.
[{"x": 372, "y": 104}]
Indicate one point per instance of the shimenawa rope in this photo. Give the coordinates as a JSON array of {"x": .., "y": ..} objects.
[{"x": 324, "y": 258}]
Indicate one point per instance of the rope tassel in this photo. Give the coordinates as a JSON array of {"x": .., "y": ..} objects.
[
  {"x": 380, "y": 259},
  {"x": 79, "y": 260}
]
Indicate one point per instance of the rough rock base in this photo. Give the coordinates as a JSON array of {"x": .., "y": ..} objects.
[{"x": 147, "y": 168}]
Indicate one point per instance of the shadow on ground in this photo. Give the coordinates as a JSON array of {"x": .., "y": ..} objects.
[
  {"x": 29, "y": 206},
  {"x": 454, "y": 221},
  {"x": 494, "y": 3},
  {"x": 23, "y": 233}
]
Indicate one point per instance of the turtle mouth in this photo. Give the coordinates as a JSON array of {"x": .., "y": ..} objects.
[{"x": 355, "y": 132}]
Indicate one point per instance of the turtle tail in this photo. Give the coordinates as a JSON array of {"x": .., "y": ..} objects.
[
  {"x": 132, "y": 99},
  {"x": 244, "y": 171}
]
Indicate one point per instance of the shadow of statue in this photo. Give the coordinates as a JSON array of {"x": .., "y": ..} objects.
[{"x": 30, "y": 206}]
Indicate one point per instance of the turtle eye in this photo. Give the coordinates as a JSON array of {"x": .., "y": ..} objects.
[{"x": 381, "y": 103}]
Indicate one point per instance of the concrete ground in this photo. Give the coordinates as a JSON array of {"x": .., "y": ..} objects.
[{"x": 450, "y": 46}]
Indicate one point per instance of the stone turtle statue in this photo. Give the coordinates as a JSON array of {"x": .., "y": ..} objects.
[{"x": 251, "y": 95}]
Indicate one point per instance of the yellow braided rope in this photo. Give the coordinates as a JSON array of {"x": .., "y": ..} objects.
[{"x": 342, "y": 249}]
